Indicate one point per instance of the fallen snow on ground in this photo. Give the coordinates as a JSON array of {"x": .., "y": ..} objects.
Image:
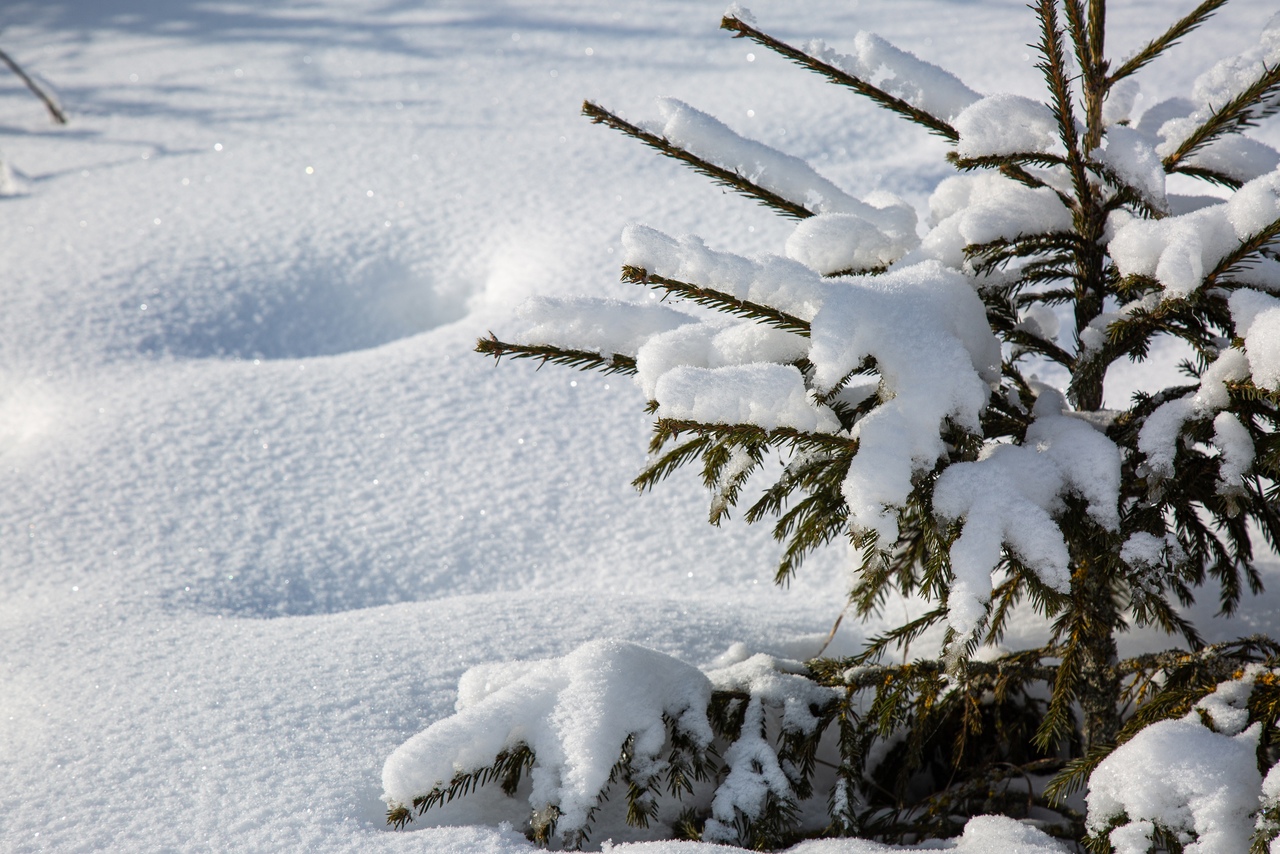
[{"x": 260, "y": 507}]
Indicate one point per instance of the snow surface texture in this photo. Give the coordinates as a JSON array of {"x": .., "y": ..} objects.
[{"x": 261, "y": 507}]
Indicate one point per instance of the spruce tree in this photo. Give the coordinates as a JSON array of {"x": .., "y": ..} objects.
[{"x": 895, "y": 377}]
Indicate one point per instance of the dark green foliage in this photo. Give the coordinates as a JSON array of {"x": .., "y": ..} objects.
[
  {"x": 615, "y": 363},
  {"x": 718, "y": 300},
  {"x": 908, "y": 751},
  {"x": 506, "y": 770},
  {"x": 1166, "y": 40}
]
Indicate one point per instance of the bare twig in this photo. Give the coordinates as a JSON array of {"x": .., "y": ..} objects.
[{"x": 55, "y": 109}]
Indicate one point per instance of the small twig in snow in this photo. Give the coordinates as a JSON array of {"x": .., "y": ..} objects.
[{"x": 55, "y": 109}]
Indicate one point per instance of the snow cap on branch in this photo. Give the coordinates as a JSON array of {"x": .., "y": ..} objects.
[
  {"x": 574, "y": 713},
  {"x": 1236, "y": 156},
  {"x": 783, "y": 174},
  {"x": 1185, "y": 778},
  {"x": 1004, "y": 124},
  {"x": 1257, "y": 319},
  {"x": 1131, "y": 156},
  {"x": 927, "y": 331},
  {"x": 900, "y": 73},
  {"x": 843, "y": 242},
  {"x": 777, "y": 282},
  {"x": 1159, "y": 436},
  {"x": 715, "y": 345},
  {"x": 983, "y": 207},
  {"x": 763, "y": 394},
  {"x": 1009, "y": 496},
  {"x": 1179, "y": 251}
]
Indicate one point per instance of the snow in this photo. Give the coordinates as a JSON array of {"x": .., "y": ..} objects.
[
  {"x": 597, "y": 325},
  {"x": 1179, "y": 250},
  {"x": 1257, "y": 319},
  {"x": 715, "y": 344},
  {"x": 1144, "y": 550},
  {"x": 982, "y": 835},
  {"x": 1005, "y": 124},
  {"x": 1159, "y": 436},
  {"x": 785, "y": 175},
  {"x": 1236, "y": 156},
  {"x": 764, "y": 394},
  {"x": 779, "y": 282},
  {"x": 926, "y": 329},
  {"x": 1184, "y": 777},
  {"x": 900, "y": 73},
  {"x": 984, "y": 207},
  {"x": 253, "y": 535},
  {"x": 555, "y": 708},
  {"x": 839, "y": 243},
  {"x": 1008, "y": 496},
  {"x": 1230, "y": 436},
  {"x": 1133, "y": 159}
]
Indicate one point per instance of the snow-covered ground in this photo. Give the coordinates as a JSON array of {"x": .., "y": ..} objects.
[{"x": 260, "y": 506}]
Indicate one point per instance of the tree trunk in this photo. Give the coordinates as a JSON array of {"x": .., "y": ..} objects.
[{"x": 1099, "y": 684}]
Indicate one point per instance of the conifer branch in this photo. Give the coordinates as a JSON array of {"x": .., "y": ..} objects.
[
  {"x": 1012, "y": 166},
  {"x": 1035, "y": 344},
  {"x": 1039, "y": 159},
  {"x": 1097, "y": 34},
  {"x": 720, "y": 175},
  {"x": 718, "y": 300},
  {"x": 1126, "y": 195},
  {"x": 1212, "y": 176},
  {"x": 1243, "y": 255},
  {"x": 661, "y": 468},
  {"x": 1242, "y": 111},
  {"x": 1058, "y": 246},
  {"x": 1184, "y": 678},
  {"x": 1168, "y": 39},
  {"x": 899, "y": 636},
  {"x": 1079, "y": 33},
  {"x": 671, "y": 428},
  {"x": 726, "y": 490},
  {"x": 1053, "y": 66},
  {"x": 857, "y": 674},
  {"x": 816, "y": 520},
  {"x": 1003, "y": 318},
  {"x": 814, "y": 472},
  {"x": 1022, "y": 176},
  {"x": 615, "y": 363},
  {"x": 843, "y": 78},
  {"x": 507, "y": 768}
]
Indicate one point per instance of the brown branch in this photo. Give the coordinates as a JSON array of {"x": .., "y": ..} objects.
[{"x": 54, "y": 109}]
